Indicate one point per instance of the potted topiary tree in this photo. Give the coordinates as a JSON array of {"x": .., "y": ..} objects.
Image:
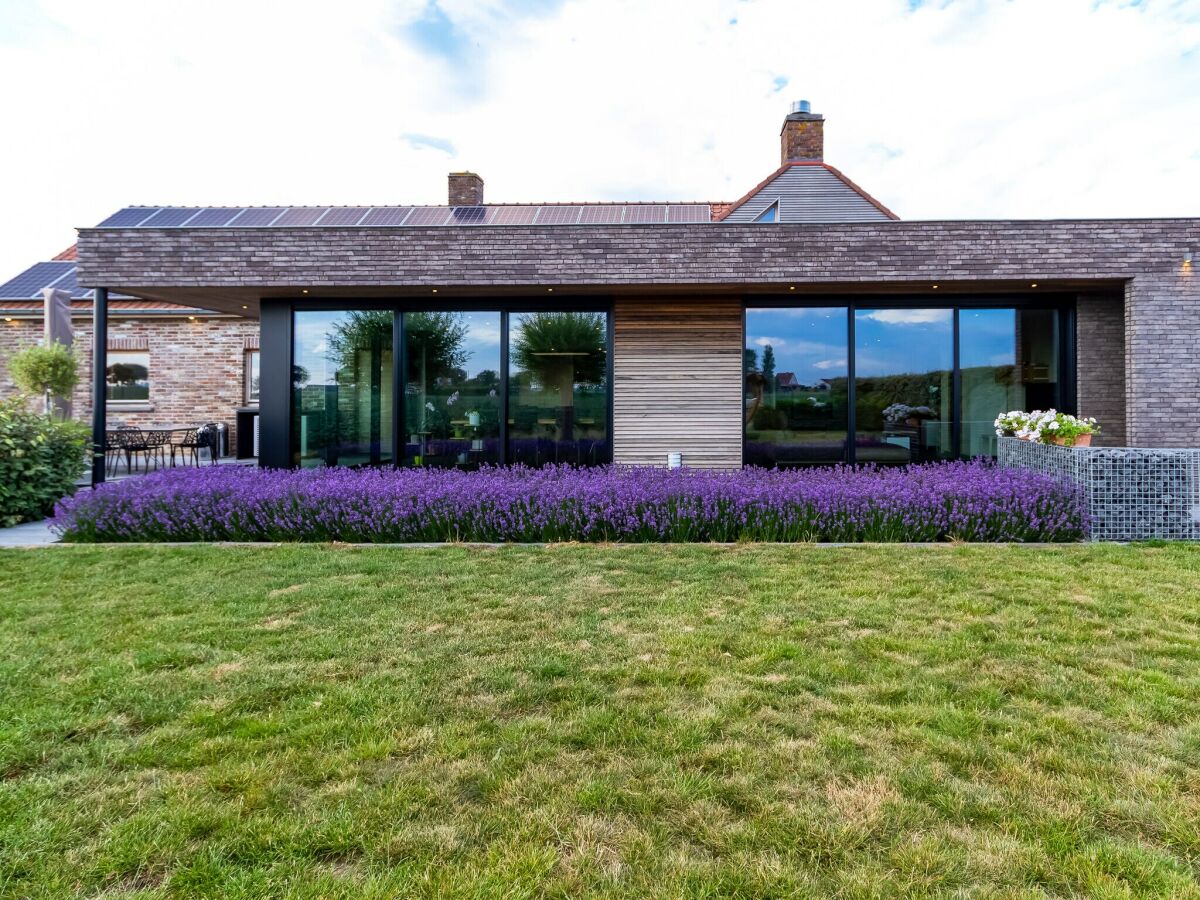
[{"x": 49, "y": 371}]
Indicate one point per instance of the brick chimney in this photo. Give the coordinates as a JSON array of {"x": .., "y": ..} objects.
[
  {"x": 803, "y": 135},
  {"x": 466, "y": 189}
]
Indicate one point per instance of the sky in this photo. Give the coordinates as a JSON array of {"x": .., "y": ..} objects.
[{"x": 941, "y": 109}]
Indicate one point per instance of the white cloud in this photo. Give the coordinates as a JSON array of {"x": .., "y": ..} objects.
[
  {"x": 774, "y": 342},
  {"x": 826, "y": 364},
  {"x": 977, "y": 109},
  {"x": 908, "y": 316}
]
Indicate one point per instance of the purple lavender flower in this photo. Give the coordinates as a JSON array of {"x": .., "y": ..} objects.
[{"x": 969, "y": 501}]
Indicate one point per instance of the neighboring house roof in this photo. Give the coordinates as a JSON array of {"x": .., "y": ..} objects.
[
  {"x": 23, "y": 294},
  {"x": 809, "y": 192},
  {"x": 410, "y": 216},
  {"x": 786, "y": 379}
]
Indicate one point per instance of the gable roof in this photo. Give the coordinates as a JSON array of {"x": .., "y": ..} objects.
[{"x": 809, "y": 192}]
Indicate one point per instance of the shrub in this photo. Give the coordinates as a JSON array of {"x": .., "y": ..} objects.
[
  {"x": 969, "y": 501},
  {"x": 45, "y": 371},
  {"x": 40, "y": 461}
]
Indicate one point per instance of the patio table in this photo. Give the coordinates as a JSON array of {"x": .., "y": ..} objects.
[{"x": 159, "y": 436}]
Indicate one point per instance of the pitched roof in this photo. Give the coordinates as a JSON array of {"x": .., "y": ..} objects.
[
  {"x": 410, "y": 216},
  {"x": 23, "y": 294},
  {"x": 809, "y": 192}
]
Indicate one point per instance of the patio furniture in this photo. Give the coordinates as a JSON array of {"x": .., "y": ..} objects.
[
  {"x": 131, "y": 440},
  {"x": 194, "y": 440}
]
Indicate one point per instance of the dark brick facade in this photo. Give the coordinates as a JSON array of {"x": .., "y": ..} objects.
[
  {"x": 1100, "y": 365},
  {"x": 225, "y": 268}
]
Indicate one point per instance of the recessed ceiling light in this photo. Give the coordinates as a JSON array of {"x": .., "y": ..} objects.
[
  {"x": 435, "y": 290},
  {"x": 791, "y": 287},
  {"x": 549, "y": 290},
  {"x": 1034, "y": 284},
  {"x": 304, "y": 290},
  {"x": 191, "y": 318},
  {"x": 8, "y": 318},
  {"x": 244, "y": 306},
  {"x": 935, "y": 287}
]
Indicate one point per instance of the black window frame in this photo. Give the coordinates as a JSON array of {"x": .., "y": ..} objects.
[
  {"x": 282, "y": 425},
  {"x": 1062, "y": 303}
]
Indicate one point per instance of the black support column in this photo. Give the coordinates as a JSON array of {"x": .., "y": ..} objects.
[
  {"x": 99, "y": 372},
  {"x": 275, "y": 385}
]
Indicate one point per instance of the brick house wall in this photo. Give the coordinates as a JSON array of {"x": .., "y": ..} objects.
[
  {"x": 197, "y": 368},
  {"x": 1100, "y": 365}
]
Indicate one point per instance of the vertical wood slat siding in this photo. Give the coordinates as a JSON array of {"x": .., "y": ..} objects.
[{"x": 677, "y": 382}]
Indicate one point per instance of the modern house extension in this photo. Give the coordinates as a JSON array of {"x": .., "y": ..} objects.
[{"x": 802, "y": 324}]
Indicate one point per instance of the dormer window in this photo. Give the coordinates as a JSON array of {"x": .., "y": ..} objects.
[{"x": 768, "y": 215}]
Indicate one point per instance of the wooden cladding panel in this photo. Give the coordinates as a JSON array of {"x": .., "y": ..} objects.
[{"x": 677, "y": 382}]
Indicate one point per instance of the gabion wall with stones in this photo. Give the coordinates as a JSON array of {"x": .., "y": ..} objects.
[{"x": 1132, "y": 493}]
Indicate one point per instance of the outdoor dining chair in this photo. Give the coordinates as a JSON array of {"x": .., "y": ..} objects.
[{"x": 193, "y": 441}]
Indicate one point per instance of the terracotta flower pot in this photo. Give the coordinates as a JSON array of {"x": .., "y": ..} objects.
[{"x": 1081, "y": 440}]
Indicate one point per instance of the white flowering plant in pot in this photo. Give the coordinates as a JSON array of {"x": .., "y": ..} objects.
[{"x": 1047, "y": 427}]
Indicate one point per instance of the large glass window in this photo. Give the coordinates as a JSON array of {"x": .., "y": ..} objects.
[
  {"x": 907, "y": 405},
  {"x": 342, "y": 388},
  {"x": 1009, "y": 360},
  {"x": 903, "y": 377},
  {"x": 795, "y": 400},
  {"x": 127, "y": 377},
  {"x": 452, "y": 388},
  {"x": 558, "y": 388}
]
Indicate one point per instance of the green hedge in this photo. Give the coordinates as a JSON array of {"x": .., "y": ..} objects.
[{"x": 40, "y": 461}]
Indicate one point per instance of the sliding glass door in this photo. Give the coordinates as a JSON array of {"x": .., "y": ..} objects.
[
  {"x": 1009, "y": 360},
  {"x": 558, "y": 388},
  {"x": 903, "y": 374},
  {"x": 796, "y": 386},
  {"x": 342, "y": 388},
  {"x": 895, "y": 384},
  {"x": 452, "y": 389},
  {"x": 469, "y": 388}
]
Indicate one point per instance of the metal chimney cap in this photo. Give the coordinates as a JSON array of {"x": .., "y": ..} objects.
[{"x": 801, "y": 106}]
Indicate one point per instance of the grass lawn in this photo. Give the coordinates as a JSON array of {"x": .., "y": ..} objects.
[{"x": 655, "y": 720}]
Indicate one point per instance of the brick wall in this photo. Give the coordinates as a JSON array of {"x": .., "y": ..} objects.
[
  {"x": 197, "y": 369},
  {"x": 1100, "y": 361}
]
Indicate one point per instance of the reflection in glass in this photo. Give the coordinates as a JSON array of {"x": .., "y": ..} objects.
[
  {"x": 1009, "y": 360},
  {"x": 452, "y": 388},
  {"x": 342, "y": 388},
  {"x": 795, "y": 386},
  {"x": 558, "y": 388},
  {"x": 903, "y": 371},
  {"x": 127, "y": 376}
]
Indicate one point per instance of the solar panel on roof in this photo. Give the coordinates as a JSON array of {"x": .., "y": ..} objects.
[
  {"x": 29, "y": 283},
  {"x": 215, "y": 217},
  {"x": 600, "y": 215},
  {"x": 345, "y": 215},
  {"x": 511, "y": 215},
  {"x": 387, "y": 215},
  {"x": 258, "y": 215},
  {"x": 170, "y": 217},
  {"x": 467, "y": 215},
  {"x": 300, "y": 215},
  {"x": 428, "y": 215},
  {"x": 695, "y": 212},
  {"x": 66, "y": 282},
  {"x": 408, "y": 216},
  {"x": 557, "y": 215},
  {"x": 128, "y": 217}
]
